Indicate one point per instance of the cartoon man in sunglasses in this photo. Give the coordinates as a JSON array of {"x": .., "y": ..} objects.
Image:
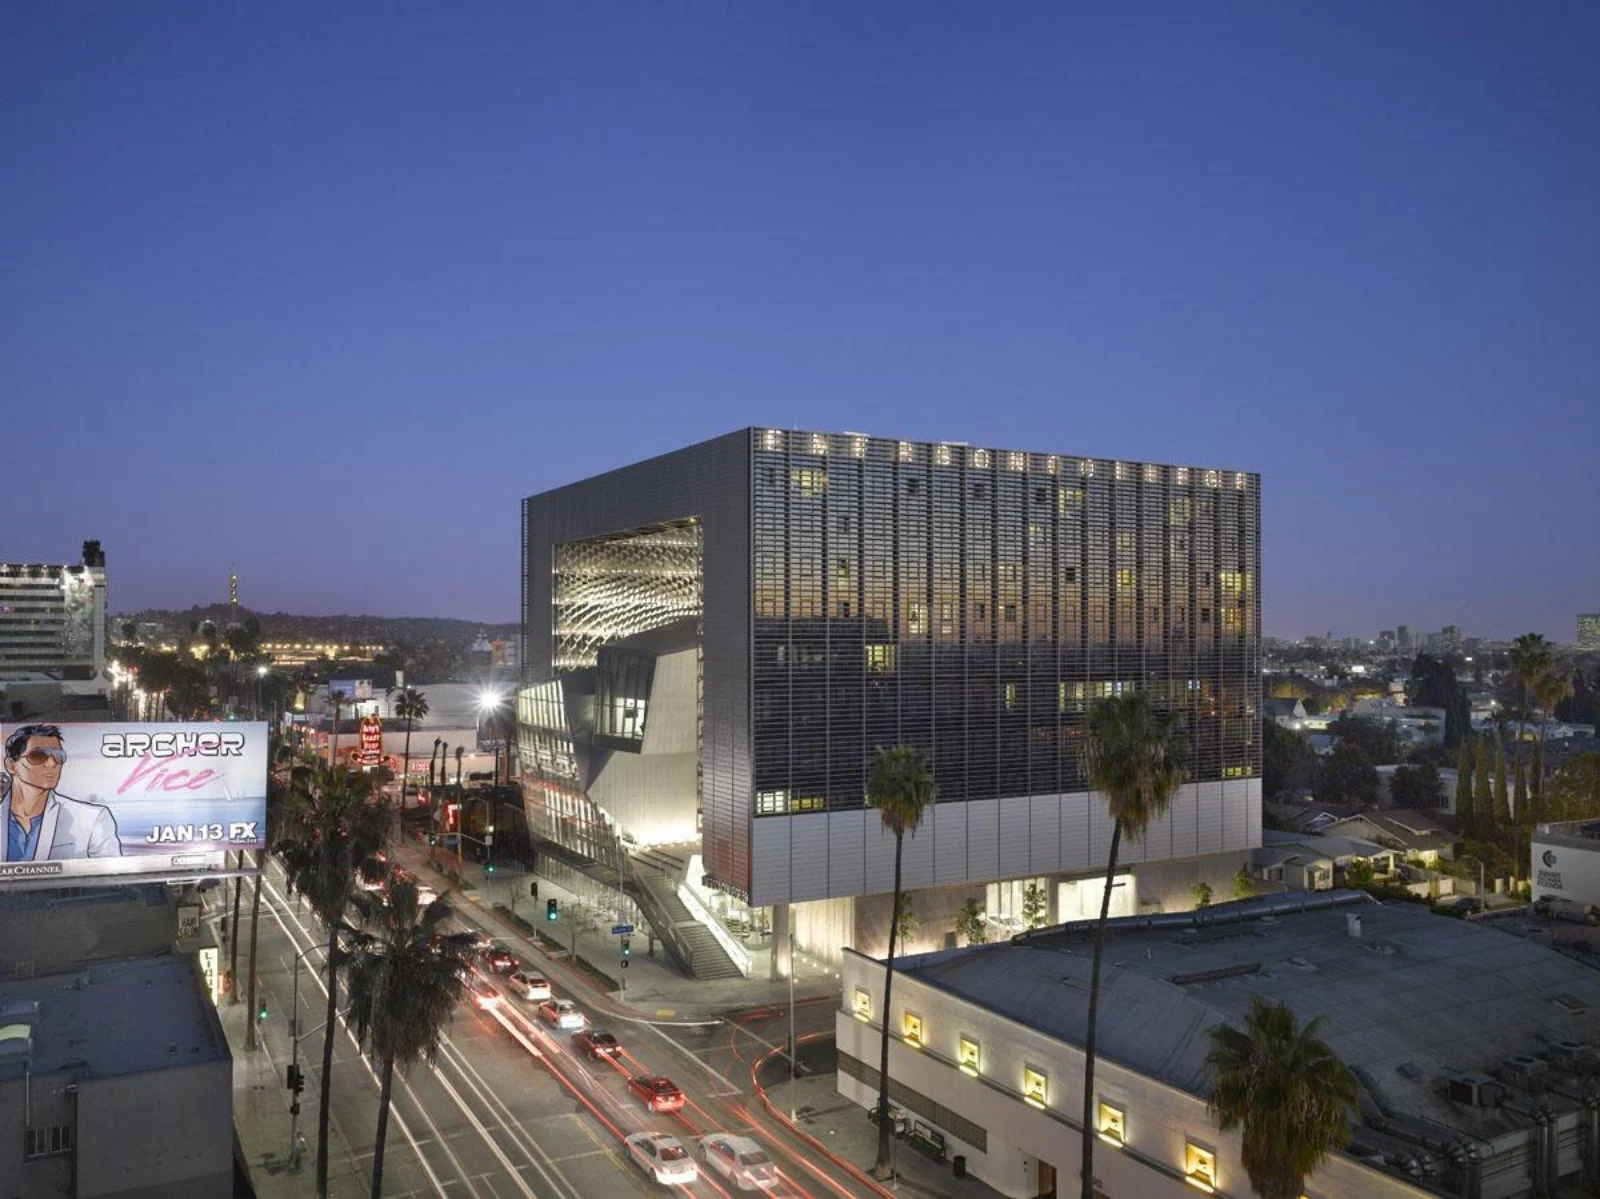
[{"x": 41, "y": 824}]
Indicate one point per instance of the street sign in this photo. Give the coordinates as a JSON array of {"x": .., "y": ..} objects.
[{"x": 622, "y": 930}]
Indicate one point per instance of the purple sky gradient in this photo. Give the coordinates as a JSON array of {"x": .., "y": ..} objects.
[{"x": 317, "y": 292}]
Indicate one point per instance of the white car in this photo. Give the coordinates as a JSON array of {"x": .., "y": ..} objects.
[
  {"x": 662, "y": 1157},
  {"x": 562, "y": 1013},
  {"x": 531, "y": 987},
  {"x": 739, "y": 1160}
]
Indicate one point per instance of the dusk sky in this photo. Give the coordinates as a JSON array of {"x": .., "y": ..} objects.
[{"x": 317, "y": 293}]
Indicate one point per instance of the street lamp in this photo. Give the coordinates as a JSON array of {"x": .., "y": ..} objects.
[
  {"x": 491, "y": 701},
  {"x": 295, "y": 1037}
]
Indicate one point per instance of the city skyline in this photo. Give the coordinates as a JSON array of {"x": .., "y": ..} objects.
[{"x": 327, "y": 293}]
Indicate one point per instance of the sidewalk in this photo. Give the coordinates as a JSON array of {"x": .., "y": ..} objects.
[
  {"x": 651, "y": 986},
  {"x": 844, "y": 1130}
]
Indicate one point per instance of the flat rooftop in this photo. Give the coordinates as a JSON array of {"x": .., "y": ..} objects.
[
  {"x": 117, "y": 1018},
  {"x": 1417, "y": 999}
]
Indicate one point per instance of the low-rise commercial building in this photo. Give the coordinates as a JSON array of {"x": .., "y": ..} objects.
[
  {"x": 115, "y": 1080},
  {"x": 1474, "y": 1050}
]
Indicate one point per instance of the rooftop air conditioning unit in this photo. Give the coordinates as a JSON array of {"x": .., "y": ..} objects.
[
  {"x": 1475, "y": 1090},
  {"x": 1574, "y": 1057},
  {"x": 1526, "y": 1073}
]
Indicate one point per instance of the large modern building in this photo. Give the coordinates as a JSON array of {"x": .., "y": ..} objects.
[
  {"x": 1589, "y": 630},
  {"x": 1474, "y": 1050},
  {"x": 53, "y": 618},
  {"x": 717, "y": 639}
]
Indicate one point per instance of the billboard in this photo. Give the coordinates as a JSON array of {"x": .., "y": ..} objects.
[
  {"x": 371, "y": 740},
  {"x": 350, "y": 689},
  {"x": 86, "y": 803}
]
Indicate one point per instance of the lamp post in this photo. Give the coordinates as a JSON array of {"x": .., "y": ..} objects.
[{"x": 294, "y": 1061}]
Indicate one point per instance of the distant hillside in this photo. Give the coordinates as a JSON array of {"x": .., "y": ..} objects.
[{"x": 349, "y": 630}]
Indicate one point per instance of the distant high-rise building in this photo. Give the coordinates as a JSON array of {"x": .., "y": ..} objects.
[
  {"x": 1589, "y": 630},
  {"x": 1402, "y": 637},
  {"x": 1450, "y": 638},
  {"x": 53, "y": 618}
]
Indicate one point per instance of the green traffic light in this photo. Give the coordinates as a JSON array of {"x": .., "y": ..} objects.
[{"x": 262, "y": 1014}]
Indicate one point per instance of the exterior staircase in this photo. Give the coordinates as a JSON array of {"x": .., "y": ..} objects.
[{"x": 689, "y": 942}]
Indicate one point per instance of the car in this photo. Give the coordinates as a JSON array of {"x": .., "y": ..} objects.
[
  {"x": 595, "y": 1043},
  {"x": 484, "y": 995},
  {"x": 663, "y": 1157},
  {"x": 657, "y": 1093},
  {"x": 563, "y": 1013},
  {"x": 499, "y": 959},
  {"x": 739, "y": 1160},
  {"x": 531, "y": 987}
]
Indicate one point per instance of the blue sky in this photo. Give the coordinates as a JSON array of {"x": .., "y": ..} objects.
[{"x": 317, "y": 292}]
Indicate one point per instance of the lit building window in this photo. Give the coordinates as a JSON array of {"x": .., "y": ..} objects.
[
  {"x": 1053, "y": 464},
  {"x": 861, "y": 1005},
  {"x": 819, "y": 444},
  {"x": 1213, "y": 478},
  {"x": 968, "y": 1056},
  {"x": 980, "y": 459},
  {"x": 810, "y": 803},
  {"x": 1199, "y": 1167},
  {"x": 1016, "y": 461},
  {"x": 1152, "y": 474},
  {"x": 1035, "y": 1087},
  {"x": 769, "y": 803},
  {"x": 1086, "y": 468},
  {"x": 1183, "y": 476},
  {"x": 941, "y": 455},
  {"x": 907, "y": 452},
  {"x": 911, "y": 1027},
  {"x": 808, "y": 481},
  {"x": 1120, "y": 472},
  {"x": 1011, "y": 697},
  {"x": 858, "y": 447},
  {"x": 881, "y": 658},
  {"x": 1112, "y": 1125},
  {"x": 771, "y": 439}
]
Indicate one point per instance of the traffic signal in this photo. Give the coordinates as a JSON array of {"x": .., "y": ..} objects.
[
  {"x": 627, "y": 947},
  {"x": 533, "y": 890},
  {"x": 488, "y": 867},
  {"x": 296, "y": 1078},
  {"x": 552, "y": 910},
  {"x": 262, "y": 1013}
]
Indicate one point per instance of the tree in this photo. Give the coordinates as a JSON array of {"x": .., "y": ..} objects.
[
  {"x": 1282, "y": 1085},
  {"x": 1530, "y": 661},
  {"x": 1244, "y": 883},
  {"x": 1551, "y": 687},
  {"x": 405, "y": 976},
  {"x": 333, "y": 831},
  {"x": 1415, "y": 787},
  {"x": 1500, "y": 809},
  {"x": 1377, "y": 739},
  {"x": 1465, "y": 819},
  {"x": 1035, "y": 904},
  {"x": 1359, "y": 873},
  {"x": 1201, "y": 892},
  {"x": 276, "y": 791},
  {"x": 410, "y": 705},
  {"x": 1288, "y": 762},
  {"x": 1348, "y": 776},
  {"x": 900, "y": 785},
  {"x": 1132, "y": 757},
  {"x": 1575, "y": 788},
  {"x": 970, "y": 923}
]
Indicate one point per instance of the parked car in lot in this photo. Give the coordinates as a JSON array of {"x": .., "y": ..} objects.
[
  {"x": 739, "y": 1160},
  {"x": 500, "y": 959},
  {"x": 483, "y": 994},
  {"x": 531, "y": 987},
  {"x": 562, "y": 1013},
  {"x": 655, "y": 1092},
  {"x": 595, "y": 1043},
  {"x": 663, "y": 1157}
]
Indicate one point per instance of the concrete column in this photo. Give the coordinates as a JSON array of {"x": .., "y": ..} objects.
[{"x": 781, "y": 964}]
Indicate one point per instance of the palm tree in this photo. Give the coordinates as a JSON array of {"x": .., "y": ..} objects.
[
  {"x": 412, "y": 705},
  {"x": 1132, "y": 756},
  {"x": 1288, "y": 1091},
  {"x": 900, "y": 785},
  {"x": 334, "y": 828},
  {"x": 404, "y": 976},
  {"x": 1551, "y": 687},
  {"x": 460, "y": 749}
]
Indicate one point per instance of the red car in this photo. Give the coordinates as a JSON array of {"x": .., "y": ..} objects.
[
  {"x": 656, "y": 1093},
  {"x": 595, "y": 1043},
  {"x": 500, "y": 959}
]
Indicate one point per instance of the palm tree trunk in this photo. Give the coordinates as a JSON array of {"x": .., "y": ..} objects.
[
  {"x": 885, "y": 1167},
  {"x": 328, "y": 1031},
  {"x": 1088, "y": 1189},
  {"x": 233, "y": 947},
  {"x": 1516, "y": 760},
  {"x": 255, "y": 920},
  {"x": 405, "y": 770},
  {"x": 383, "y": 1126}
]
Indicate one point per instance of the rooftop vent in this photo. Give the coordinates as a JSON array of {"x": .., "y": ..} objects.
[
  {"x": 1211, "y": 976},
  {"x": 1570, "y": 1002},
  {"x": 1352, "y": 925},
  {"x": 1302, "y": 965},
  {"x": 1525, "y": 1072},
  {"x": 1574, "y": 1057},
  {"x": 1475, "y": 1090}
]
